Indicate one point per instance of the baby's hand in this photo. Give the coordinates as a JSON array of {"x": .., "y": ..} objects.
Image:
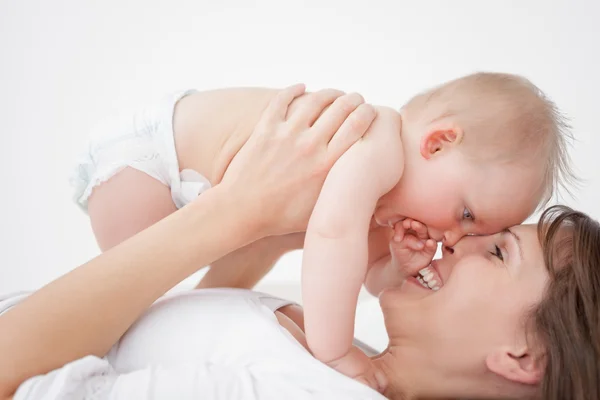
[
  {"x": 411, "y": 247},
  {"x": 356, "y": 364}
]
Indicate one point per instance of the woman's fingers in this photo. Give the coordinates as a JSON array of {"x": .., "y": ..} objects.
[
  {"x": 305, "y": 111},
  {"x": 332, "y": 118},
  {"x": 352, "y": 129},
  {"x": 277, "y": 109},
  {"x": 287, "y": 171}
]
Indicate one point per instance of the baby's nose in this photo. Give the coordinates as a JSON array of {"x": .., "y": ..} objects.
[
  {"x": 451, "y": 238},
  {"x": 436, "y": 235}
]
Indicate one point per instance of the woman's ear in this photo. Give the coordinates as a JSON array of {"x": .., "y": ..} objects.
[
  {"x": 518, "y": 365},
  {"x": 440, "y": 137}
]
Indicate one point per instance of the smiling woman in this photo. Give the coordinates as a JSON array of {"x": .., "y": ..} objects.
[{"x": 516, "y": 315}]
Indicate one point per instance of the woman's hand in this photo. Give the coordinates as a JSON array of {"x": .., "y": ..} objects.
[{"x": 279, "y": 172}]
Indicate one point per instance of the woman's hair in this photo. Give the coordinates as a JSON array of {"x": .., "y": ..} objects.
[{"x": 567, "y": 321}]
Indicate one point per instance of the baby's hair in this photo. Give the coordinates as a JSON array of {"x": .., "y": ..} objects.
[{"x": 504, "y": 117}]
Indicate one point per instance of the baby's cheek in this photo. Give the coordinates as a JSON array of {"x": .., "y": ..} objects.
[{"x": 438, "y": 217}]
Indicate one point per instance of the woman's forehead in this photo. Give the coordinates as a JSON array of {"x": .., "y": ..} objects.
[
  {"x": 525, "y": 229},
  {"x": 529, "y": 242}
]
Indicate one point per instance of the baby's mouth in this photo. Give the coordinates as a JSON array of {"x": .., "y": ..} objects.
[{"x": 430, "y": 278}]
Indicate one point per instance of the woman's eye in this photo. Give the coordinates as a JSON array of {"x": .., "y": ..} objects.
[
  {"x": 497, "y": 253},
  {"x": 467, "y": 214}
]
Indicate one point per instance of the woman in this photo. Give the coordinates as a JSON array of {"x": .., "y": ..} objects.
[{"x": 513, "y": 319}]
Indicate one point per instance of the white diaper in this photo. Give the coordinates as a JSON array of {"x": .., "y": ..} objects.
[{"x": 143, "y": 141}]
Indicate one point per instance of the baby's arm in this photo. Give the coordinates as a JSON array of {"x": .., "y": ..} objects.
[
  {"x": 336, "y": 253},
  {"x": 413, "y": 250}
]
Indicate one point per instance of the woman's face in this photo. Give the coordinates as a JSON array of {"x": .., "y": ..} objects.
[{"x": 489, "y": 283}]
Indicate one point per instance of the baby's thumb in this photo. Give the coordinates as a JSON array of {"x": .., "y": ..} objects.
[{"x": 399, "y": 232}]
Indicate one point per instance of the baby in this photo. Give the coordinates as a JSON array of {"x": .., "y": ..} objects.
[{"x": 472, "y": 156}]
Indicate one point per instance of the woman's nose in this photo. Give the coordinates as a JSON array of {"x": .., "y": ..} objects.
[{"x": 446, "y": 250}]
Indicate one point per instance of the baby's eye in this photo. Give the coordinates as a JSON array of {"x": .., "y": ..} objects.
[
  {"x": 467, "y": 214},
  {"x": 497, "y": 253}
]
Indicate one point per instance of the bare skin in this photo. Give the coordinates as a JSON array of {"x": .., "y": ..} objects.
[
  {"x": 210, "y": 129},
  {"x": 88, "y": 310}
]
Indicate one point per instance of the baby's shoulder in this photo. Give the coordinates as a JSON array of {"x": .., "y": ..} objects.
[
  {"x": 385, "y": 134},
  {"x": 389, "y": 116},
  {"x": 387, "y": 126}
]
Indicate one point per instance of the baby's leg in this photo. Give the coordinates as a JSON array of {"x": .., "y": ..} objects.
[
  {"x": 129, "y": 177},
  {"x": 126, "y": 204},
  {"x": 245, "y": 267}
]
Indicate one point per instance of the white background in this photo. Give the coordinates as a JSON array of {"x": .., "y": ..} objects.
[{"x": 65, "y": 64}]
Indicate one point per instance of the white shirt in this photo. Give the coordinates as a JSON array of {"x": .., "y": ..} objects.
[{"x": 204, "y": 344}]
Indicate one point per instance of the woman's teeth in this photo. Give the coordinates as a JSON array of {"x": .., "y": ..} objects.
[{"x": 426, "y": 279}]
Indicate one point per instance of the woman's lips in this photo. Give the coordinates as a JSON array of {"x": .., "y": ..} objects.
[{"x": 429, "y": 277}]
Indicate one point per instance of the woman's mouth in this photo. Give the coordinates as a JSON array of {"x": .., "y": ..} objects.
[{"x": 430, "y": 278}]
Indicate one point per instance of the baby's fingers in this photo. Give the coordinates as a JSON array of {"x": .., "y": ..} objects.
[
  {"x": 411, "y": 242},
  {"x": 420, "y": 229},
  {"x": 399, "y": 232},
  {"x": 430, "y": 246},
  {"x": 414, "y": 243}
]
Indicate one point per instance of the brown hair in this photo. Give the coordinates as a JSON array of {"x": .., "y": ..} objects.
[
  {"x": 507, "y": 114},
  {"x": 567, "y": 321}
]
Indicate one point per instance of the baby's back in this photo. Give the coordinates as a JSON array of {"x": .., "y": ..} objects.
[{"x": 210, "y": 127}]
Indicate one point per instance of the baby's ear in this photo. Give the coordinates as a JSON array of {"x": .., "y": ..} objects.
[
  {"x": 438, "y": 138},
  {"x": 517, "y": 365}
]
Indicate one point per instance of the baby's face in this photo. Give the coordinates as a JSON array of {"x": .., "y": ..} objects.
[{"x": 455, "y": 196}]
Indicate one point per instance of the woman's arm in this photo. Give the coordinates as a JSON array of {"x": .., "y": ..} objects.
[{"x": 87, "y": 310}]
